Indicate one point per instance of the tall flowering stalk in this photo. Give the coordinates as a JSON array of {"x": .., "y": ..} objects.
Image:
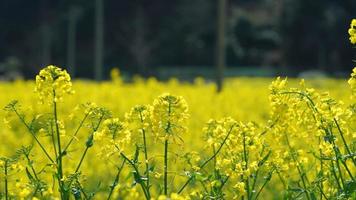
[
  {"x": 169, "y": 116},
  {"x": 52, "y": 83},
  {"x": 139, "y": 120}
]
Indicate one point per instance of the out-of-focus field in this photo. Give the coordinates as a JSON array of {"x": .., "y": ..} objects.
[{"x": 244, "y": 99}]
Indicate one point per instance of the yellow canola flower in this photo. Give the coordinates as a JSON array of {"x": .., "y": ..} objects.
[
  {"x": 352, "y": 31},
  {"x": 240, "y": 188},
  {"x": 279, "y": 84},
  {"x": 114, "y": 137},
  {"x": 173, "y": 196},
  {"x": 139, "y": 117},
  {"x": 52, "y": 83},
  {"x": 352, "y": 82},
  {"x": 22, "y": 189},
  {"x": 169, "y": 115}
]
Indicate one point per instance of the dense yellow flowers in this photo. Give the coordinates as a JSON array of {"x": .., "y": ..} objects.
[
  {"x": 352, "y": 31},
  {"x": 139, "y": 118},
  {"x": 173, "y": 196},
  {"x": 169, "y": 115},
  {"x": 116, "y": 134},
  {"x": 52, "y": 83},
  {"x": 352, "y": 82}
]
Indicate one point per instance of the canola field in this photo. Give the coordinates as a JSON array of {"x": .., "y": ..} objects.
[{"x": 259, "y": 138}]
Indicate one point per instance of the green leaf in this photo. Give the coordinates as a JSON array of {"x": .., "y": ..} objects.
[
  {"x": 350, "y": 188},
  {"x": 313, "y": 196}
]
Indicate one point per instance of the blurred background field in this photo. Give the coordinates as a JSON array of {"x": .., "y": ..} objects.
[{"x": 244, "y": 99}]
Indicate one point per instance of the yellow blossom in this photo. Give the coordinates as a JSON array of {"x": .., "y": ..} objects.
[
  {"x": 52, "y": 83},
  {"x": 352, "y": 31},
  {"x": 169, "y": 115},
  {"x": 352, "y": 81}
]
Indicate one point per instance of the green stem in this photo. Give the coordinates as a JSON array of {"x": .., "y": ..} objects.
[
  {"x": 34, "y": 136},
  {"x": 254, "y": 182},
  {"x": 87, "y": 148},
  {"x": 214, "y": 160},
  {"x": 166, "y": 167},
  {"x": 146, "y": 157},
  {"x": 53, "y": 141},
  {"x": 335, "y": 175},
  {"x": 82, "y": 190},
  {"x": 301, "y": 174},
  {"x": 143, "y": 186},
  {"x": 321, "y": 170},
  {"x": 259, "y": 192},
  {"x": 260, "y": 164},
  {"x": 35, "y": 192},
  {"x": 34, "y": 174},
  {"x": 337, "y": 159},
  {"x": 207, "y": 161},
  {"x": 59, "y": 158},
  {"x": 36, "y": 177},
  {"x": 344, "y": 141},
  {"x": 6, "y": 181},
  {"x": 58, "y": 139},
  {"x": 347, "y": 169},
  {"x": 323, "y": 194},
  {"x": 247, "y": 182},
  {"x": 91, "y": 137},
  {"x": 224, "y": 182},
  {"x": 167, "y": 129},
  {"x": 116, "y": 181},
  {"x": 264, "y": 184},
  {"x": 81, "y": 159},
  {"x": 31, "y": 166},
  {"x": 340, "y": 172},
  {"x": 75, "y": 134},
  {"x": 283, "y": 181},
  {"x": 145, "y": 152}
]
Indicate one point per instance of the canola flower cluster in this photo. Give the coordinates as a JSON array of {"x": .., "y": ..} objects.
[
  {"x": 352, "y": 82},
  {"x": 53, "y": 81},
  {"x": 300, "y": 143},
  {"x": 352, "y": 31}
]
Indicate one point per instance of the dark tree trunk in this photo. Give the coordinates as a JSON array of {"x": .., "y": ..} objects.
[
  {"x": 99, "y": 40},
  {"x": 73, "y": 16},
  {"x": 220, "y": 44}
]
